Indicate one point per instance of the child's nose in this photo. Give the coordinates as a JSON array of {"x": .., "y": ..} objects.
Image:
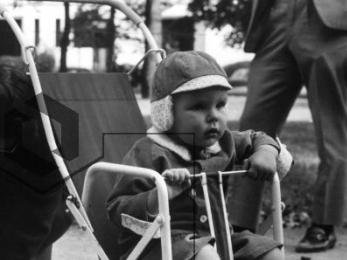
[{"x": 212, "y": 116}]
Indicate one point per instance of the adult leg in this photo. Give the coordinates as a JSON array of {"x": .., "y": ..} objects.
[
  {"x": 61, "y": 222},
  {"x": 45, "y": 254},
  {"x": 273, "y": 87},
  {"x": 322, "y": 53},
  {"x": 25, "y": 218},
  {"x": 328, "y": 100}
]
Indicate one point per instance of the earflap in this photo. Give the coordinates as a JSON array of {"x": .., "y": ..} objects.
[{"x": 162, "y": 114}]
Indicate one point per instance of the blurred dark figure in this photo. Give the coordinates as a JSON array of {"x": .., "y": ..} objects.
[
  {"x": 301, "y": 42},
  {"x": 32, "y": 194}
]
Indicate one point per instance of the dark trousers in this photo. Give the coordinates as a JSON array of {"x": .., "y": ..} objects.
[
  {"x": 299, "y": 50},
  {"x": 30, "y": 221}
]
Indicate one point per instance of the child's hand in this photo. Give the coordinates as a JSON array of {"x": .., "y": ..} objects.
[
  {"x": 177, "y": 181},
  {"x": 262, "y": 164}
]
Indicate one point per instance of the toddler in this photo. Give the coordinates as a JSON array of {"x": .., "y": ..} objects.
[{"x": 189, "y": 135}]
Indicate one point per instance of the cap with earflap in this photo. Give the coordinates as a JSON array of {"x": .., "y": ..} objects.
[{"x": 181, "y": 72}]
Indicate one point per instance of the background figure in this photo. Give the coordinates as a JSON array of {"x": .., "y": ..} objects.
[
  {"x": 32, "y": 204},
  {"x": 301, "y": 42}
]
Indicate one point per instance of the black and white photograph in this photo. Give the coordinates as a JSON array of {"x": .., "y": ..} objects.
[{"x": 173, "y": 129}]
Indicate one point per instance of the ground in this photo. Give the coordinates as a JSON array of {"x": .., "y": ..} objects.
[
  {"x": 338, "y": 253},
  {"x": 76, "y": 245}
]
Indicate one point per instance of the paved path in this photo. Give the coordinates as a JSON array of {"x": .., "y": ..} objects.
[
  {"x": 76, "y": 245},
  {"x": 338, "y": 253}
]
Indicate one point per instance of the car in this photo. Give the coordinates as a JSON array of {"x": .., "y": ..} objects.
[
  {"x": 238, "y": 73},
  {"x": 78, "y": 70}
]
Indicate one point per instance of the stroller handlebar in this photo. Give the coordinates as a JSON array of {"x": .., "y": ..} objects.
[{"x": 238, "y": 172}]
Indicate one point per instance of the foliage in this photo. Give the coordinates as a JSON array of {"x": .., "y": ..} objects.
[
  {"x": 45, "y": 62},
  {"x": 13, "y": 61},
  {"x": 224, "y": 12},
  {"x": 178, "y": 34},
  {"x": 90, "y": 27}
]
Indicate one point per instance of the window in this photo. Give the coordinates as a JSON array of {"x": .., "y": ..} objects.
[
  {"x": 9, "y": 44},
  {"x": 37, "y": 31}
]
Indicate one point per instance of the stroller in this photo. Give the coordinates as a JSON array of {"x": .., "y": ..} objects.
[{"x": 89, "y": 212}]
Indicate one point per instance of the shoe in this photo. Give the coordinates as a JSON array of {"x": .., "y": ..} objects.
[{"x": 316, "y": 239}]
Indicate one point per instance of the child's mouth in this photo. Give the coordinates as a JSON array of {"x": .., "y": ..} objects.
[{"x": 212, "y": 133}]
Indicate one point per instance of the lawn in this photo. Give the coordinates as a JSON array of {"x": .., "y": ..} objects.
[
  {"x": 297, "y": 186},
  {"x": 297, "y": 192}
]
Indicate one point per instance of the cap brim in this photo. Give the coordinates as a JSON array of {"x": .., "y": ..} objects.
[{"x": 203, "y": 82}]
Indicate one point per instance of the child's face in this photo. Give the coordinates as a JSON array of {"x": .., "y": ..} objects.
[{"x": 201, "y": 113}]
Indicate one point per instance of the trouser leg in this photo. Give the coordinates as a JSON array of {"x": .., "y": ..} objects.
[
  {"x": 45, "y": 254},
  {"x": 328, "y": 102},
  {"x": 273, "y": 86},
  {"x": 322, "y": 53},
  {"x": 272, "y": 91}
]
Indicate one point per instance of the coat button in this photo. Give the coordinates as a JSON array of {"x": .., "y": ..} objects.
[{"x": 203, "y": 218}]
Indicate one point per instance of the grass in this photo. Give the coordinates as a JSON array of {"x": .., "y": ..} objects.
[
  {"x": 297, "y": 192},
  {"x": 297, "y": 186}
]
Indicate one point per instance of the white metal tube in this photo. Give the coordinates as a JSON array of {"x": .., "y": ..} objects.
[
  {"x": 147, "y": 236},
  {"x": 277, "y": 212},
  {"x": 150, "y": 40},
  {"x": 208, "y": 204},
  {"x": 276, "y": 207},
  {"x": 225, "y": 215},
  {"x": 239, "y": 172},
  {"x": 163, "y": 200}
]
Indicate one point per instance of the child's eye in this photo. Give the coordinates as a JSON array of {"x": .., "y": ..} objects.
[
  {"x": 221, "y": 104},
  {"x": 197, "y": 107}
]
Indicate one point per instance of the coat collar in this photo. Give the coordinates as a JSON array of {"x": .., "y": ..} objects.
[{"x": 164, "y": 140}]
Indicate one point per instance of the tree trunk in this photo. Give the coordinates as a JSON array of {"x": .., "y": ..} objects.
[
  {"x": 65, "y": 38},
  {"x": 153, "y": 22},
  {"x": 111, "y": 35}
]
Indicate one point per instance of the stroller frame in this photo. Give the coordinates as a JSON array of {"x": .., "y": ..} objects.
[
  {"x": 74, "y": 202},
  {"x": 162, "y": 221}
]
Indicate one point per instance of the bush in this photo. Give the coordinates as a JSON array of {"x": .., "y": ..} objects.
[
  {"x": 45, "y": 62},
  {"x": 13, "y": 61}
]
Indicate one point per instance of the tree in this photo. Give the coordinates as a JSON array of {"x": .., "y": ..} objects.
[
  {"x": 111, "y": 35},
  {"x": 90, "y": 27},
  {"x": 65, "y": 38},
  {"x": 224, "y": 12},
  {"x": 94, "y": 27}
]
